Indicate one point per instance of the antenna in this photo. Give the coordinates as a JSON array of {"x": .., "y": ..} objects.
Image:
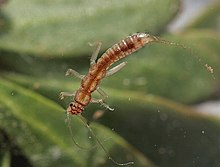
[
  {"x": 68, "y": 122},
  {"x": 101, "y": 145}
]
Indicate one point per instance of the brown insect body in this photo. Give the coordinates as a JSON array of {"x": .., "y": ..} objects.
[{"x": 98, "y": 70}]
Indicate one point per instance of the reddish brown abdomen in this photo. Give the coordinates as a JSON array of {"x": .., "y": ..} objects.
[{"x": 120, "y": 50}]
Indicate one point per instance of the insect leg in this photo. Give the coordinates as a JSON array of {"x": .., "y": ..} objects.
[
  {"x": 115, "y": 69},
  {"x": 66, "y": 94},
  {"x": 95, "y": 52},
  {"x": 71, "y": 72},
  {"x": 102, "y": 93},
  {"x": 101, "y": 102}
]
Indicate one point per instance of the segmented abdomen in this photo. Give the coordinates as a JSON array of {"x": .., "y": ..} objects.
[
  {"x": 116, "y": 52},
  {"x": 123, "y": 48}
]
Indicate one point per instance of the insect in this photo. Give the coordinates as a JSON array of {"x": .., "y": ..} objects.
[{"x": 100, "y": 69}]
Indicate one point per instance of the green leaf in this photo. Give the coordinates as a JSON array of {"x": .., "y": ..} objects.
[
  {"x": 36, "y": 125},
  {"x": 63, "y": 28},
  {"x": 171, "y": 134},
  {"x": 164, "y": 130},
  {"x": 41, "y": 39},
  {"x": 208, "y": 20}
]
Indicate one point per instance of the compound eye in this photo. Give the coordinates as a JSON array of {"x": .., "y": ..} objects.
[{"x": 71, "y": 104}]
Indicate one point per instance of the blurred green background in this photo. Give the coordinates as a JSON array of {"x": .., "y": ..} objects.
[{"x": 155, "y": 122}]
